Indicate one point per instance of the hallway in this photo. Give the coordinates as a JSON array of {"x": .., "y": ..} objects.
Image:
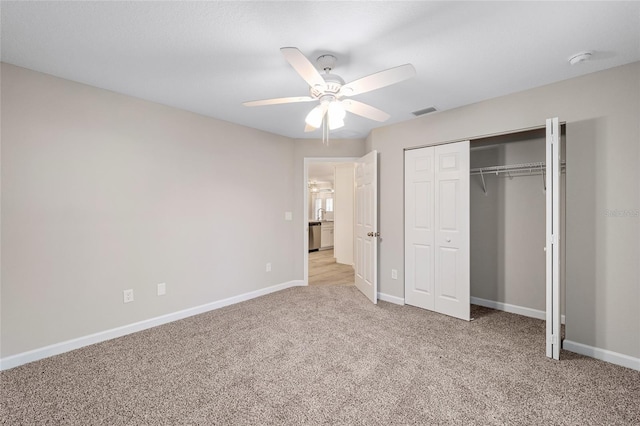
[{"x": 323, "y": 269}]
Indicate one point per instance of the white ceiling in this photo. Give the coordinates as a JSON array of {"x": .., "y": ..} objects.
[{"x": 209, "y": 57}]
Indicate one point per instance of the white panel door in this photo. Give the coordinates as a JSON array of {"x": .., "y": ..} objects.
[
  {"x": 418, "y": 220},
  {"x": 451, "y": 223},
  {"x": 437, "y": 229},
  {"x": 553, "y": 238},
  {"x": 366, "y": 226}
]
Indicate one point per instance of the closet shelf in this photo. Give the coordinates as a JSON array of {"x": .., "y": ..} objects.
[
  {"x": 512, "y": 170},
  {"x": 524, "y": 169}
]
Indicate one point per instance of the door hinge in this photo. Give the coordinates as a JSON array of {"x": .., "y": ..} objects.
[
  {"x": 554, "y": 239},
  {"x": 554, "y": 339}
]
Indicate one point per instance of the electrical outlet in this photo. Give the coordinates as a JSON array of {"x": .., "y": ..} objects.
[
  {"x": 127, "y": 296},
  {"x": 394, "y": 274},
  {"x": 288, "y": 216},
  {"x": 162, "y": 289},
  {"x": 269, "y": 267}
]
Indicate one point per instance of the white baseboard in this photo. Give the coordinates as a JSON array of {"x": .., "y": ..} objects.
[
  {"x": 602, "y": 354},
  {"x": 579, "y": 348},
  {"x": 69, "y": 345},
  {"x": 514, "y": 309},
  {"x": 391, "y": 299}
]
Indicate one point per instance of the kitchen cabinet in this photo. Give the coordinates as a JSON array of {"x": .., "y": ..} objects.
[{"x": 326, "y": 235}]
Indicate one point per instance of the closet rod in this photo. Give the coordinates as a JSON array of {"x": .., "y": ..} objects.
[{"x": 523, "y": 169}]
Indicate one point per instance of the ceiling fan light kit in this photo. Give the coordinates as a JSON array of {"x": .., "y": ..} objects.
[
  {"x": 336, "y": 114},
  {"x": 329, "y": 89},
  {"x": 314, "y": 118}
]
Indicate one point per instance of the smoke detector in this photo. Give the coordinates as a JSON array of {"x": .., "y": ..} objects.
[{"x": 580, "y": 57}]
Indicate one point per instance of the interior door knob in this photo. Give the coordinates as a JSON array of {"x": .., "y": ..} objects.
[
  {"x": 448, "y": 240},
  {"x": 369, "y": 234}
]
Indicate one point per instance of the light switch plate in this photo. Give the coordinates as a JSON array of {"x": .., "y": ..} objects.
[
  {"x": 288, "y": 216},
  {"x": 162, "y": 289}
]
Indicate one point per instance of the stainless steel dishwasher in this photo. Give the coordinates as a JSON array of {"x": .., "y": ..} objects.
[{"x": 314, "y": 236}]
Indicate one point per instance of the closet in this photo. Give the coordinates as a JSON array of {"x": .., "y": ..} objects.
[
  {"x": 506, "y": 200},
  {"x": 508, "y": 212}
]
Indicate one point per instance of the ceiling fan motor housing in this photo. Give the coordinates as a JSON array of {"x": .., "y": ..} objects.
[{"x": 332, "y": 85}]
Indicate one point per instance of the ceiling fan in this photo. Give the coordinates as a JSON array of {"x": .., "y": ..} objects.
[{"x": 332, "y": 93}]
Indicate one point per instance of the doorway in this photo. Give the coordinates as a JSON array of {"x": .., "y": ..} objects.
[{"x": 328, "y": 206}]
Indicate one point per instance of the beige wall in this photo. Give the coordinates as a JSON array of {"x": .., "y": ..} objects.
[
  {"x": 603, "y": 138},
  {"x": 102, "y": 192}
]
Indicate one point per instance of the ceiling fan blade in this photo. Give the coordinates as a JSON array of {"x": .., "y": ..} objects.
[
  {"x": 364, "y": 110},
  {"x": 277, "y": 101},
  {"x": 378, "y": 80},
  {"x": 301, "y": 64}
]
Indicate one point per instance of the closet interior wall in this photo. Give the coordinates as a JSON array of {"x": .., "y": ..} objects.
[{"x": 507, "y": 232}]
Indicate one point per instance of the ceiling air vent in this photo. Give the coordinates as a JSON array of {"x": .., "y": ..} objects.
[{"x": 424, "y": 111}]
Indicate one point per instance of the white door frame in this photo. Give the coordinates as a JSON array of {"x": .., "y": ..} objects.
[{"x": 305, "y": 200}]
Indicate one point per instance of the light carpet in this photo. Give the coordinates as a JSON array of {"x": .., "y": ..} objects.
[{"x": 323, "y": 355}]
